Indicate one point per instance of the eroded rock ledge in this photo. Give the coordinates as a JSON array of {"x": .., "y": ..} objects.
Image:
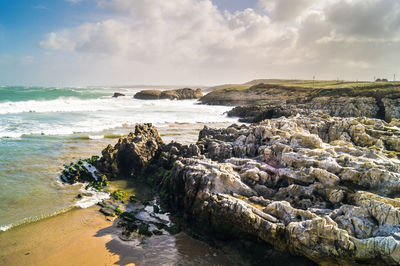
[{"x": 321, "y": 187}]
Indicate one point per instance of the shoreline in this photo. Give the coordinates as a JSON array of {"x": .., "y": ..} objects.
[
  {"x": 58, "y": 239},
  {"x": 87, "y": 237},
  {"x": 65, "y": 239}
]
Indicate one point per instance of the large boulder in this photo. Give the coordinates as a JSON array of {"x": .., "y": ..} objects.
[
  {"x": 118, "y": 94},
  {"x": 148, "y": 95},
  {"x": 131, "y": 154}
]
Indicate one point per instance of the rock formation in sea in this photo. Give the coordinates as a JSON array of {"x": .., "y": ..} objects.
[
  {"x": 118, "y": 94},
  {"x": 180, "y": 94}
]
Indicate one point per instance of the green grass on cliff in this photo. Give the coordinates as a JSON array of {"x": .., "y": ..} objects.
[{"x": 309, "y": 85}]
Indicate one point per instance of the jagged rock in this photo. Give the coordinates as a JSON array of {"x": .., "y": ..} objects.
[
  {"x": 313, "y": 203},
  {"x": 322, "y": 187},
  {"x": 132, "y": 153}
]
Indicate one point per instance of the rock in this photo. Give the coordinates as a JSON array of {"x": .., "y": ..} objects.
[
  {"x": 309, "y": 215},
  {"x": 326, "y": 188},
  {"x": 180, "y": 94},
  {"x": 265, "y": 101},
  {"x": 132, "y": 153},
  {"x": 140, "y": 221},
  {"x": 148, "y": 95},
  {"x": 117, "y": 94},
  {"x": 392, "y": 108},
  {"x": 107, "y": 211}
]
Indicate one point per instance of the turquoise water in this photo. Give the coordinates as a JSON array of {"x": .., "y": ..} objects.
[
  {"x": 16, "y": 94},
  {"x": 43, "y": 128}
]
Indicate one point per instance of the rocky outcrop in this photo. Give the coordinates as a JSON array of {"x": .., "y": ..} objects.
[
  {"x": 118, "y": 94},
  {"x": 148, "y": 95},
  {"x": 180, "y": 94},
  {"x": 131, "y": 154},
  {"x": 322, "y": 187},
  {"x": 333, "y": 106}
]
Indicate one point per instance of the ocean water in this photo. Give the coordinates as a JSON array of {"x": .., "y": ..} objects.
[{"x": 43, "y": 128}]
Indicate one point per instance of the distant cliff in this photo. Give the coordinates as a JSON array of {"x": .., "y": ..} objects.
[{"x": 343, "y": 99}]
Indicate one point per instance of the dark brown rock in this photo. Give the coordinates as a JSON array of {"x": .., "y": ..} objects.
[
  {"x": 117, "y": 94},
  {"x": 148, "y": 95},
  {"x": 132, "y": 153}
]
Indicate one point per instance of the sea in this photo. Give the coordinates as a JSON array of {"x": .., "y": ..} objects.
[{"x": 43, "y": 128}]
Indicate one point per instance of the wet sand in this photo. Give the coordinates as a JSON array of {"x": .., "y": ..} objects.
[
  {"x": 68, "y": 239},
  {"x": 86, "y": 237}
]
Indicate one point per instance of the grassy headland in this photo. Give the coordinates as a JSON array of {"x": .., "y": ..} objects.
[{"x": 257, "y": 91}]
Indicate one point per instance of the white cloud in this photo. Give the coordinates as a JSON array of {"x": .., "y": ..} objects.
[{"x": 192, "y": 41}]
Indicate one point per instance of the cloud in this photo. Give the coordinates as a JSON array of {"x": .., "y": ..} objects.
[
  {"x": 367, "y": 18},
  {"x": 171, "y": 31},
  {"x": 194, "y": 41},
  {"x": 285, "y": 10}
]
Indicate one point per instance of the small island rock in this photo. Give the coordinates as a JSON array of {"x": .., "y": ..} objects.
[
  {"x": 180, "y": 94},
  {"x": 117, "y": 94}
]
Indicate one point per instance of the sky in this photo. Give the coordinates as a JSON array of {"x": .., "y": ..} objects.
[{"x": 196, "y": 42}]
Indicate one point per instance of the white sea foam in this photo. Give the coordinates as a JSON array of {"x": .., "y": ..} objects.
[
  {"x": 70, "y": 116},
  {"x": 5, "y": 227},
  {"x": 33, "y": 219},
  {"x": 96, "y": 137},
  {"x": 58, "y": 105},
  {"x": 88, "y": 201}
]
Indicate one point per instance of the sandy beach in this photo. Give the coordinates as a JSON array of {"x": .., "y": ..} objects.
[
  {"x": 86, "y": 237},
  {"x": 69, "y": 239}
]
